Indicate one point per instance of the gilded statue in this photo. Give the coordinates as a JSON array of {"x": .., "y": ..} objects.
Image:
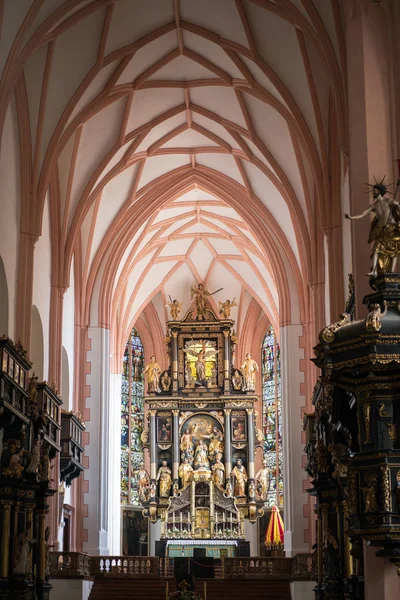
[
  {"x": 228, "y": 490},
  {"x": 22, "y": 549},
  {"x": 384, "y": 231},
  {"x": 369, "y": 493},
  {"x": 201, "y": 294},
  {"x": 144, "y": 483},
  {"x": 153, "y": 372},
  {"x": 216, "y": 445},
  {"x": 226, "y": 307},
  {"x": 262, "y": 480},
  {"x": 32, "y": 389},
  {"x": 34, "y": 457},
  {"x": 186, "y": 444},
  {"x": 201, "y": 355},
  {"x": 201, "y": 456},
  {"x": 164, "y": 478},
  {"x": 175, "y": 308},
  {"x": 45, "y": 464},
  {"x": 47, "y": 547},
  {"x": 185, "y": 472},
  {"x": 240, "y": 474},
  {"x": 166, "y": 381},
  {"x": 237, "y": 381},
  {"x": 218, "y": 471},
  {"x": 249, "y": 369},
  {"x": 14, "y": 467}
]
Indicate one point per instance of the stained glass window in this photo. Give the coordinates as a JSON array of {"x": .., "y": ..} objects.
[
  {"x": 272, "y": 416},
  {"x": 132, "y": 416}
]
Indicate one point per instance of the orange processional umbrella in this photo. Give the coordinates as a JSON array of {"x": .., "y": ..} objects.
[{"x": 274, "y": 535}]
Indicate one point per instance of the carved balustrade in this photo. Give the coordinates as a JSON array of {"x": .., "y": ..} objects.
[
  {"x": 70, "y": 564},
  {"x": 125, "y": 566},
  {"x": 75, "y": 565}
]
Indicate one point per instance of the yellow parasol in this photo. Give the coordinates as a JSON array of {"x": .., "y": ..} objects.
[{"x": 274, "y": 535}]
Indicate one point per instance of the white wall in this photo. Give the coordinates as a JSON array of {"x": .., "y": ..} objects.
[
  {"x": 68, "y": 341},
  {"x": 42, "y": 284},
  {"x": 114, "y": 514},
  {"x": 10, "y": 207}
]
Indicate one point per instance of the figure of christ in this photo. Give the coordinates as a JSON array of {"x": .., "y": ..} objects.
[
  {"x": 218, "y": 471},
  {"x": 201, "y": 355},
  {"x": 240, "y": 474}
]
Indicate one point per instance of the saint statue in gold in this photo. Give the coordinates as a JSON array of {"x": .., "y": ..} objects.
[
  {"x": 201, "y": 294},
  {"x": 218, "y": 471},
  {"x": 263, "y": 481},
  {"x": 249, "y": 369},
  {"x": 144, "y": 483},
  {"x": 175, "y": 308},
  {"x": 226, "y": 307},
  {"x": 185, "y": 472},
  {"x": 240, "y": 475},
  {"x": 153, "y": 373},
  {"x": 384, "y": 231},
  {"x": 164, "y": 478}
]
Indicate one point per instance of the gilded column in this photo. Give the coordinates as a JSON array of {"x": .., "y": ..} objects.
[
  {"x": 175, "y": 447},
  {"x": 227, "y": 361},
  {"x": 174, "y": 350},
  {"x": 228, "y": 447},
  {"x": 153, "y": 445},
  {"x": 5, "y": 539},
  {"x": 250, "y": 435},
  {"x": 348, "y": 559}
]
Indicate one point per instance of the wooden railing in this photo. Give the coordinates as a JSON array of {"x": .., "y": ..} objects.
[{"x": 77, "y": 565}]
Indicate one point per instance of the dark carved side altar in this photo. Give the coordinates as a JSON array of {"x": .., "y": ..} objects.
[{"x": 201, "y": 434}]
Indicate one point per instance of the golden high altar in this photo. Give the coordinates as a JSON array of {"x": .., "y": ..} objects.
[{"x": 201, "y": 433}]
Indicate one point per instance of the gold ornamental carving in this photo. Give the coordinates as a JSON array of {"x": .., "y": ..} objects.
[
  {"x": 373, "y": 320},
  {"x": 328, "y": 334},
  {"x": 369, "y": 491},
  {"x": 392, "y": 431},
  {"x": 382, "y": 411},
  {"x": 386, "y": 488},
  {"x": 367, "y": 423}
]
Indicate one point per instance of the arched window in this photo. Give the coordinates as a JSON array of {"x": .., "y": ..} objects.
[
  {"x": 272, "y": 416},
  {"x": 132, "y": 415}
]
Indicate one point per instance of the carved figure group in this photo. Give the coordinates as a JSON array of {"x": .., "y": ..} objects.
[{"x": 202, "y": 356}]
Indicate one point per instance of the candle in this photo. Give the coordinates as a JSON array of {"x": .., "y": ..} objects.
[
  {"x": 231, "y": 518},
  {"x": 181, "y": 518},
  {"x": 216, "y": 517},
  {"x": 173, "y": 518}
]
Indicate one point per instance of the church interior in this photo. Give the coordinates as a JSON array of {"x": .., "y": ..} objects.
[{"x": 199, "y": 299}]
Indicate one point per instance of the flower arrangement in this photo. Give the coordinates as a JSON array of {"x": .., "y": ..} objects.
[{"x": 185, "y": 592}]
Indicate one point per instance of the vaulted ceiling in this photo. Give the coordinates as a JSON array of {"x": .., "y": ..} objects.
[{"x": 178, "y": 141}]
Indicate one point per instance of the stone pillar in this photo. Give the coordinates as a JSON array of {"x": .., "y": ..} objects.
[
  {"x": 293, "y": 401},
  {"x": 370, "y": 124},
  {"x": 175, "y": 447},
  {"x": 174, "y": 351},
  {"x": 153, "y": 446},
  {"x": 228, "y": 449},
  {"x": 98, "y": 452}
]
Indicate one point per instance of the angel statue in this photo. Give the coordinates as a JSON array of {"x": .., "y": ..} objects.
[
  {"x": 384, "y": 231},
  {"x": 201, "y": 293},
  {"x": 201, "y": 355},
  {"x": 175, "y": 308},
  {"x": 226, "y": 307}
]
